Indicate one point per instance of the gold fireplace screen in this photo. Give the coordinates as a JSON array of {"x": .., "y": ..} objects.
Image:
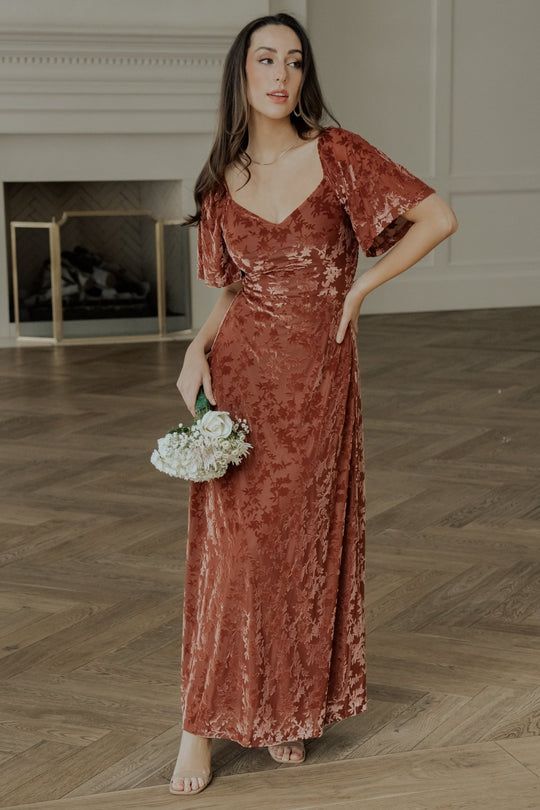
[{"x": 55, "y": 251}]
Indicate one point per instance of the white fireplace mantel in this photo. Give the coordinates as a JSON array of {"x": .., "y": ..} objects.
[{"x": 114, "y": 83}]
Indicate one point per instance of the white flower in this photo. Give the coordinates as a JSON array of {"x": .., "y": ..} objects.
[
  {"x": 215, "y": 424},
  {"x": 164, "y": 444},
  {"x": 205, "y": 450}
]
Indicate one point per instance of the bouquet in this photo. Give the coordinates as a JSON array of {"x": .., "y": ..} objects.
[{"x": 205, "y": 449}]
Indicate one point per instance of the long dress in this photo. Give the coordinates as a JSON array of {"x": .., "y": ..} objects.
[{"x": 273, "y": 644}]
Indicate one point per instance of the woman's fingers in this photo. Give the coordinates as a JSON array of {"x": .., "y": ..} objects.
[
  {"x": 349, "y": 315},
  {"x": 207, "y": 387},
  {"x": 343, "y": 324},
  {"x": 189, "y": 397},
  {"x": 195, "y": 368},
  {"x": 342, "y": 329}
]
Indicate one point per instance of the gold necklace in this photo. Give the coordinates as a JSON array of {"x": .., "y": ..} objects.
[{"x": 259, "y": 163}]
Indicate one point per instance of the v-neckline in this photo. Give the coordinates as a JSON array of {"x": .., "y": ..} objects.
[{"x": 298, "y": 207}]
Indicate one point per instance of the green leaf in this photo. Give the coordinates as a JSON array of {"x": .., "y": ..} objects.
[{"x": 202, "y": 404}]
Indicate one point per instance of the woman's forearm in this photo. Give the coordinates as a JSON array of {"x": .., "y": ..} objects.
[
  {"x": 206, "y": 334},
  {"x": 420, "y": 240}
]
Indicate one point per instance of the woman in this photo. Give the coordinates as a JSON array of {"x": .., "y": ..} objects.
[{"x": 274, "y": 638}]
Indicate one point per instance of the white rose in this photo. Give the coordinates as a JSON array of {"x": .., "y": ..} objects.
[{"x": 215, "y": 424}]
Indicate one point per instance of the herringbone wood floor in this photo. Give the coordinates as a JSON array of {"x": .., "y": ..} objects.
[{"x": 92, "y": 550}]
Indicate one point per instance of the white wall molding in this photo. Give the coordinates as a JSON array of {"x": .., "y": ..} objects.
[
  {"x": 166, "y": 49},
  {"x": 60, "y": 81},
  {"x": 446, "y": 88}
]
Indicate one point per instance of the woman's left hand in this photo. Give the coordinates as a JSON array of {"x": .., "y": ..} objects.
[{"x": 351, "y": 310}]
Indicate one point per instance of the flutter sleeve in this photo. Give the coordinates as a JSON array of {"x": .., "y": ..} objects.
[
  {"x": 214, "y": 264},
  {"x": 377, "y": 192}
]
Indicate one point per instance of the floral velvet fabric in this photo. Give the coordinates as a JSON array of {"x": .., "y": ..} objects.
[{"x": 274, "y": 633}]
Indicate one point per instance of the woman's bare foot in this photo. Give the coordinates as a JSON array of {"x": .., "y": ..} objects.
[
  {"x": 194, "y": 759},
  {"x": 288, "y": 751}
]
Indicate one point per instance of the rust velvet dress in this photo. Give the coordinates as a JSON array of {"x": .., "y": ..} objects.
[{"x": 273, "y": 644}]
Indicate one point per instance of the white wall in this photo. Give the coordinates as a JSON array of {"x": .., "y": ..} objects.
[{"x": 450, "y": 89}]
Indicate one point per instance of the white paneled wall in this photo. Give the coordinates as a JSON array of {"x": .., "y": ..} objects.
[{"x": 449, "y": 88}]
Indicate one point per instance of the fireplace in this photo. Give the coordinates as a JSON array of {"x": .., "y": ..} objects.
[
  {"x": 106, "y": 107},
  {"x": 97, "y": 259}
]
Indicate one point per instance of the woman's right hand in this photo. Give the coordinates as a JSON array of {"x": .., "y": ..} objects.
[{"x": 195, "y": 372}]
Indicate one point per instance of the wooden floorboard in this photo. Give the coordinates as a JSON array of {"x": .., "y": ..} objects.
[{"x": 91, "y": 569}]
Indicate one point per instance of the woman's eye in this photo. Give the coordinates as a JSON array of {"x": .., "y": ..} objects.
[{"x": 266, "y": 58}]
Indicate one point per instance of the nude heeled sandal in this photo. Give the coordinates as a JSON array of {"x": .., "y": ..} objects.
[
  {"x": 207, "y": 776},
  {"x": 288, "y": 761}
]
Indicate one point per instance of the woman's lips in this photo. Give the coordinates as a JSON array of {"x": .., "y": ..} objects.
[{"x": 278, "y": 99}]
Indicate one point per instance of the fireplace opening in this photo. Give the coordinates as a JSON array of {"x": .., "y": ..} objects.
[{"x": 113, "y": 236}]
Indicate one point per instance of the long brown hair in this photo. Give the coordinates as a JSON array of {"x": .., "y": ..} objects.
[{"x": 232, "y": 134}]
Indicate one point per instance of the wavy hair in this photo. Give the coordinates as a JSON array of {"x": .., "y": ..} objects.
[{"x": 232, "y": 133}]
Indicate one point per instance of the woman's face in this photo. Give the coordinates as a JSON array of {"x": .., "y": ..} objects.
[{"x": 274, "y": 62}]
